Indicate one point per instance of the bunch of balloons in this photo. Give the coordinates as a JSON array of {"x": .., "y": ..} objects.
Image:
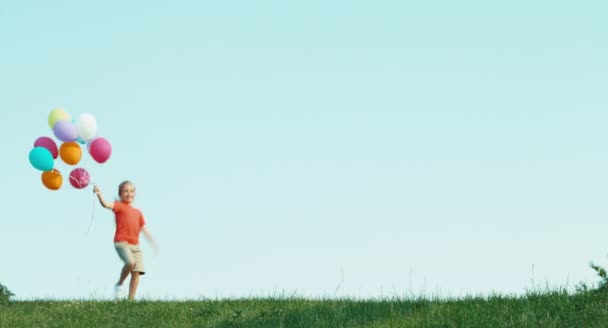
[{"x": 71, "y": 134}]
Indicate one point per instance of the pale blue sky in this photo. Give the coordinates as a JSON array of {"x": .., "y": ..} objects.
[{"x": 389, "y": 147}]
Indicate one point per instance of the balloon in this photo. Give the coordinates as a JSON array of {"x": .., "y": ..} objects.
[
  {"x": 41, "y": 159},
  {"x": 87, "y": 126},
  {"x": 57, "y": 114},
  {"x": 49, "y": 144},
  {"x": 52, "y": 179},
  {"x": 80, "y": 141},
  {"x": 79, "y": 178},
  {"x": 65, "y": 131},
  {"x": 70, "y": 153},
  {"x": 100, "y": 150},
  {"x": 89, "y": 144}
]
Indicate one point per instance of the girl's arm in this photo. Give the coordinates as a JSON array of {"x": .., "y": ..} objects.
[
  {"x": 148, "y": 236},
  {"x": 102, "y": 201}
]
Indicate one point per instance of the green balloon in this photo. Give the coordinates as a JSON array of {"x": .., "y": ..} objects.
[
  {"x": 58, "y": 114},
  {"x": 41, "y": 159}
]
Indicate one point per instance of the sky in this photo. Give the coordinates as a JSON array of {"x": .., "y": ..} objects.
[{"x": 361, "y": 149}]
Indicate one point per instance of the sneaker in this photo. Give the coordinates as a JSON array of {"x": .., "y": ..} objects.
[{"x": 120, "y": 292}]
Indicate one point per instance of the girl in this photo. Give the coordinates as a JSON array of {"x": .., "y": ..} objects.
[{"x": 129, "y": 223}]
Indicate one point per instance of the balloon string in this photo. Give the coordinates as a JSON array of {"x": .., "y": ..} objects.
[
  {"x": 92, "y": 216},
  {"x": 90, "y": 166}
]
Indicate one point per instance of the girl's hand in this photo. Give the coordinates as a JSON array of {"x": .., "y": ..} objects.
[{"x": 96, "y": 190}]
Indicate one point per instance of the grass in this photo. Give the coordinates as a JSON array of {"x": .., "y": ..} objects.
[{"x": 536, "y": 309}]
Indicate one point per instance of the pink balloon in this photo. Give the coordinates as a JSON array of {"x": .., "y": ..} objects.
[
  {"x": 49, "y": 144},
  {"x": 100, "y": 149},
  {"x": 79, "y": 178},
  {"x": 89, "y": 144}
]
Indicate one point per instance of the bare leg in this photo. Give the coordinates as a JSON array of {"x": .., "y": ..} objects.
[
  {"x": 133, "y": 284},
  {"x": 125, "y": 273}
]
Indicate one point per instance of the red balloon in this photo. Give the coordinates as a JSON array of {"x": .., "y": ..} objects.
[
  {"x": 100, "y": 149},
  {"x": 79, "y": 178},
  {"x": 49, "y": 144}
]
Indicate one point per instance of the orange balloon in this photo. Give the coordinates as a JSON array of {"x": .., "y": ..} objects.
[
  {"x": 52, "y": 179},
  {"x": 70, "y": 152}
]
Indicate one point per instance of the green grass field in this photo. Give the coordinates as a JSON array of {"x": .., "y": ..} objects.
[{"x": 542, "y": 309}]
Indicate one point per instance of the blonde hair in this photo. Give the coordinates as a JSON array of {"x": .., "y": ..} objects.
[{"x": 122, "y": 185}]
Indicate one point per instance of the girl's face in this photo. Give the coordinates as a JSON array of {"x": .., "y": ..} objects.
[{"x": 127, "y": 193}]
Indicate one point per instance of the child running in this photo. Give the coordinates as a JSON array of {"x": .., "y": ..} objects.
[{"x": 129, "y": 224}]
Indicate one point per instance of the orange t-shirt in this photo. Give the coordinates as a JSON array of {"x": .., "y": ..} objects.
[{"x": 129, "y": 221}]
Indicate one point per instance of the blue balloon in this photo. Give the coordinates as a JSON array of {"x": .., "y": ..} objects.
[
  {"x": 80, "y": 141},
  {"x": 41, "y": 159}
]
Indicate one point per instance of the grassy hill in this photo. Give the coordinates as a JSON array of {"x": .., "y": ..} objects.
[{"x": 536, "y": 309}]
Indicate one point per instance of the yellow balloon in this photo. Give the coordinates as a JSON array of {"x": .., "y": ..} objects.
[{"x": 58, "y": 114}]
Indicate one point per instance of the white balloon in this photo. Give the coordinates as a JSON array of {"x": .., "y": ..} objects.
[{"x": 87, "y": 126}]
